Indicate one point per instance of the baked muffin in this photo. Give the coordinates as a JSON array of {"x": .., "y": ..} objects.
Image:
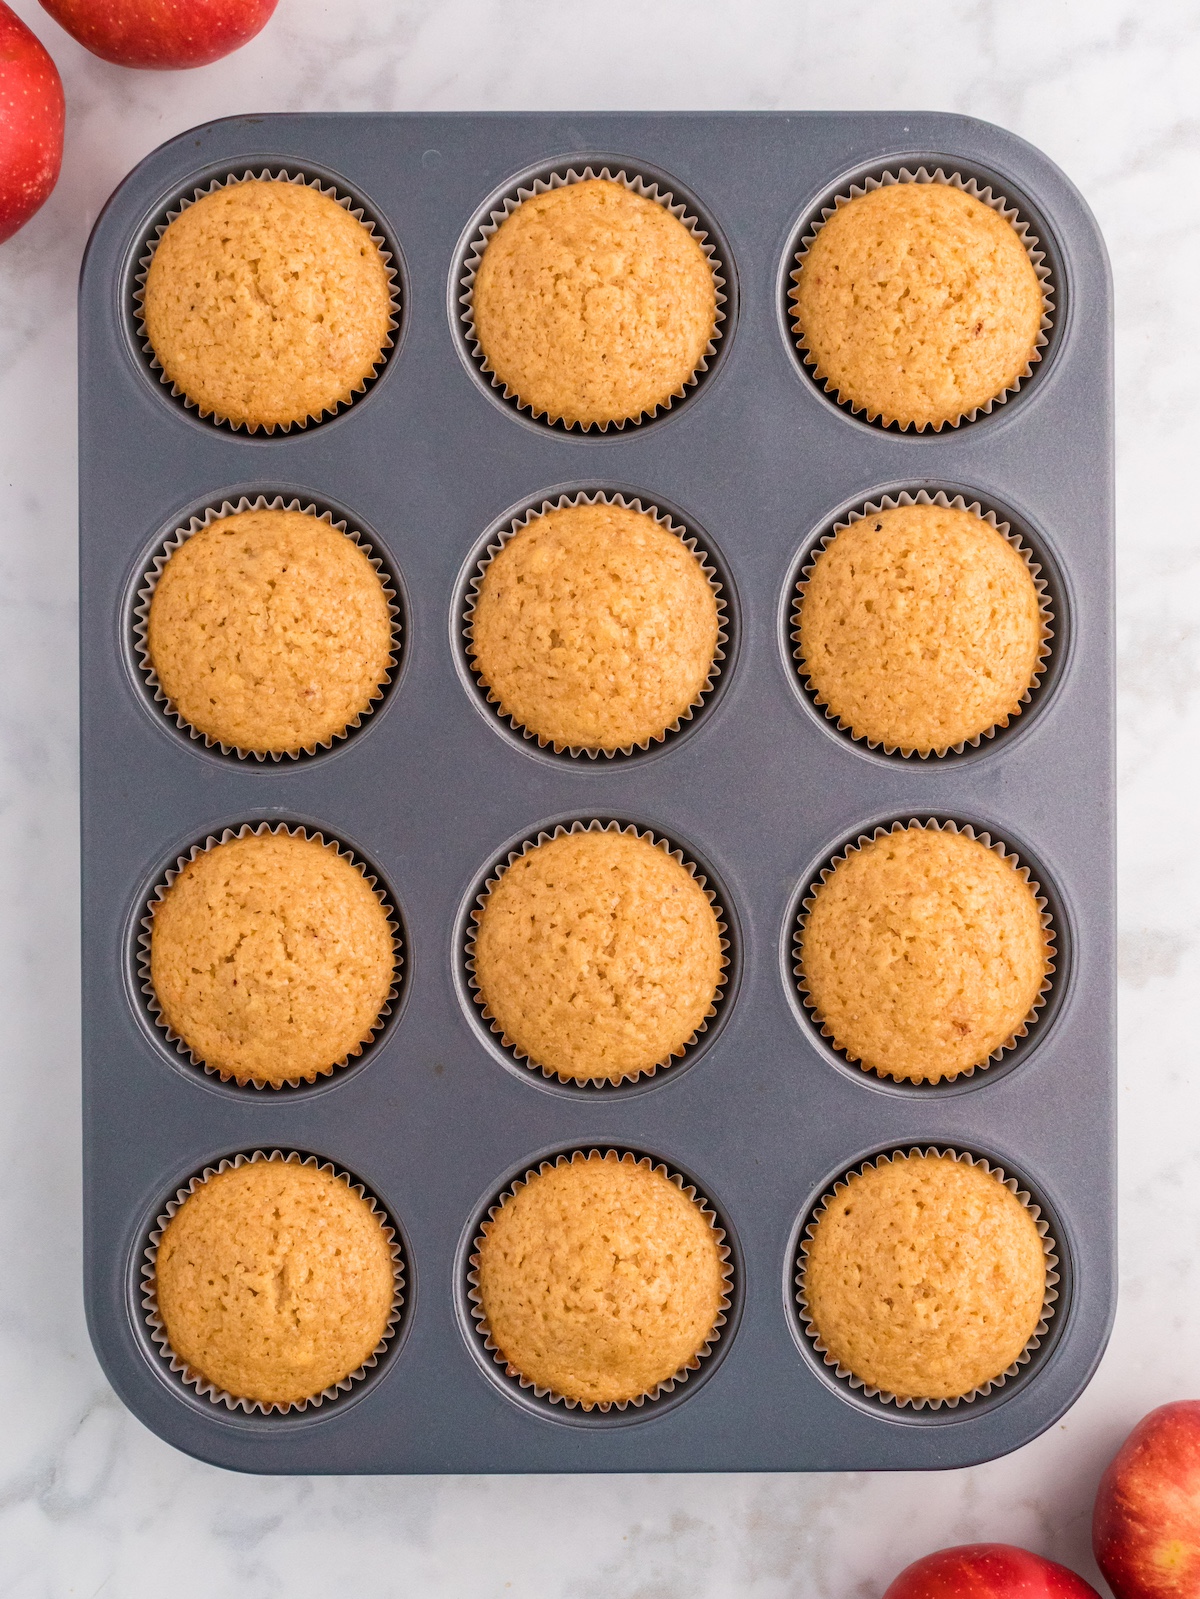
[
  {"x": 271, "y": 957},
  {"x": 920, "y": 628},
  {"x": 593, "y": 305},
  {"x": 266, "y": 303},
  {"x": 924, "y": 1276},
  {"x": 924, "y": 951},
  {"x": 598, "y": 955},
  {"x": 918, "y": 304},
  {"x": 274, "y": 1281},
  {"x": 595, "y": 628},
  {"x": 270, "y": 631},
  {"x": 600, "y": 1279}
]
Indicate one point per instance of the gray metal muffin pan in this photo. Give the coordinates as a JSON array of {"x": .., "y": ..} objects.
[{"x": 759, "y": 788}]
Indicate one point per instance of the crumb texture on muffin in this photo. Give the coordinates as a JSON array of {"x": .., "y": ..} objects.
[
  {"x": 270, "y": 631},
  {"x": 925, "y": 1276},
  {"x": 918, "y": 303},
  {"x": 924, "y": 951},
  {"x": 593, "y": 304},
  {"x": 920, "y": 627},
  {"x": 267, "y": 303},
  {"x": 271, "y": 957},
  {"x": 274, "y": 1281},
  {"x": 595, "y": 627},
  {"x": 600, "y": 1279},
  {"x": 598, "y": 954}
]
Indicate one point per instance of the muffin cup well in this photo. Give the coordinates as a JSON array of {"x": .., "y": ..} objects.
[
  {"x": 147, "y": 925},
  {"x": 476, "y": 914},
  {"x": 557, "y": 178},
  {"x": 1049, "y": 1247},
  {"x": 149, "y": 582},
  {"x": 935, "y": 825},
  {"x": 688, "y": 1188},
  {"x": 891, "y": 502},
  {"x": 205, "y": 1389},
  {"x": 268, "y": 175},
  {"x": 977, "y": 191},
  {"x": 567, "y": 502}
]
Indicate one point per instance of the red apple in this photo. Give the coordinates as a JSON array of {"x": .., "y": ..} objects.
[
  {"x": 988, "y": 1571},
  {"x": 161, "y": 33},
  {"x": 1146, "y": 1525},
  {"x": 31, "y": 123}
]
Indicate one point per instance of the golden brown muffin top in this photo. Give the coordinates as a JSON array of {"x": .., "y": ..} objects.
[
  {"x": 267, "y": 303},
  {"x": 271, "y": 957},
  {"x": 270, "y": 631},
  {"x": 925, "y": 1276},
  {"x": 919, "y": 304},
  {"x": 920, "y": 628},
  {"x": 595, "y": 627},
  {"x": 593, "y": 304},
  {"x": 274, "y": 1281},
  {"x": 599, "y": 955},
  {"x": 924, "y": 952},
  {"x": 600, "y": 1279}
]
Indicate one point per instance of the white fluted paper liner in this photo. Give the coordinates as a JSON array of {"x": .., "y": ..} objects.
[
  {"x": 206, "y": 1389},
  {"x": 994, "y": 202},
  {"x": 568, "y": 502},
  {"x": 934, "y": 825},
  {"x": 636, "y": 184},
  {"x": 891, "y": 502},
  {"x": 1049, "y": 1248},
  {"x": 150, "y": 581},
  {"x": 595, "y": 826},
  {"x": 689, "y": 1189},
  {"x": 160, "y": 892},
  {"x": 267, "y": 175}
]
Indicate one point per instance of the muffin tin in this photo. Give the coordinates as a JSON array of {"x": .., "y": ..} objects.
[{"x": 758, "y": 788}]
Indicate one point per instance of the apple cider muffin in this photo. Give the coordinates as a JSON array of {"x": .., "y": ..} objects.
[
  {"x": 920, "y": 628},
  {"x": 593, "y": 305},
  {"x": 271, "y": 958},
  {"x": 600, "y": 1279},
  {"x": 922, "y": 952},
  {"x": 595, "y": 628},
  {"x": 274, "y": 1281},
  {"x": 598, "y": 956},
  {"x": 267, "y": 303},
  {"x": 924, "y": 1276},
  {"x": 270, "y": 632},
  {"x": 918, "y": 304}
]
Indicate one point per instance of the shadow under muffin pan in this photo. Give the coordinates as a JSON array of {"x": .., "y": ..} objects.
[
  {"x": 144, "y": 579},
  {"x": 506, "y": 526},
  {"x": 173, "y": 1050},
  {"x": 523, "y": 1393},
  {"x": 535, "y": 1075},
  {"x": 983, "y": 183},
  {"x": 1035, "y": 1029},
  {"x": 220, "y": 175},
  {"x": 757, "y": 789},
  {"x": 1052, "y": 592},
  {"x": 1060, "y": 1278}
]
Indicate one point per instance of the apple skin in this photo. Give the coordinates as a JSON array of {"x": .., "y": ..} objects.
[
  {"x": 31, "y": 123},
  {"x": 988, "y": 1571},
  {"x": 1146, "y": 1525},
  {"x": 161, "y": 34}
]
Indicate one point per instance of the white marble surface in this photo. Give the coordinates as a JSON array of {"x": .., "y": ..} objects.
[{"x": 91, "y": 1503}]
